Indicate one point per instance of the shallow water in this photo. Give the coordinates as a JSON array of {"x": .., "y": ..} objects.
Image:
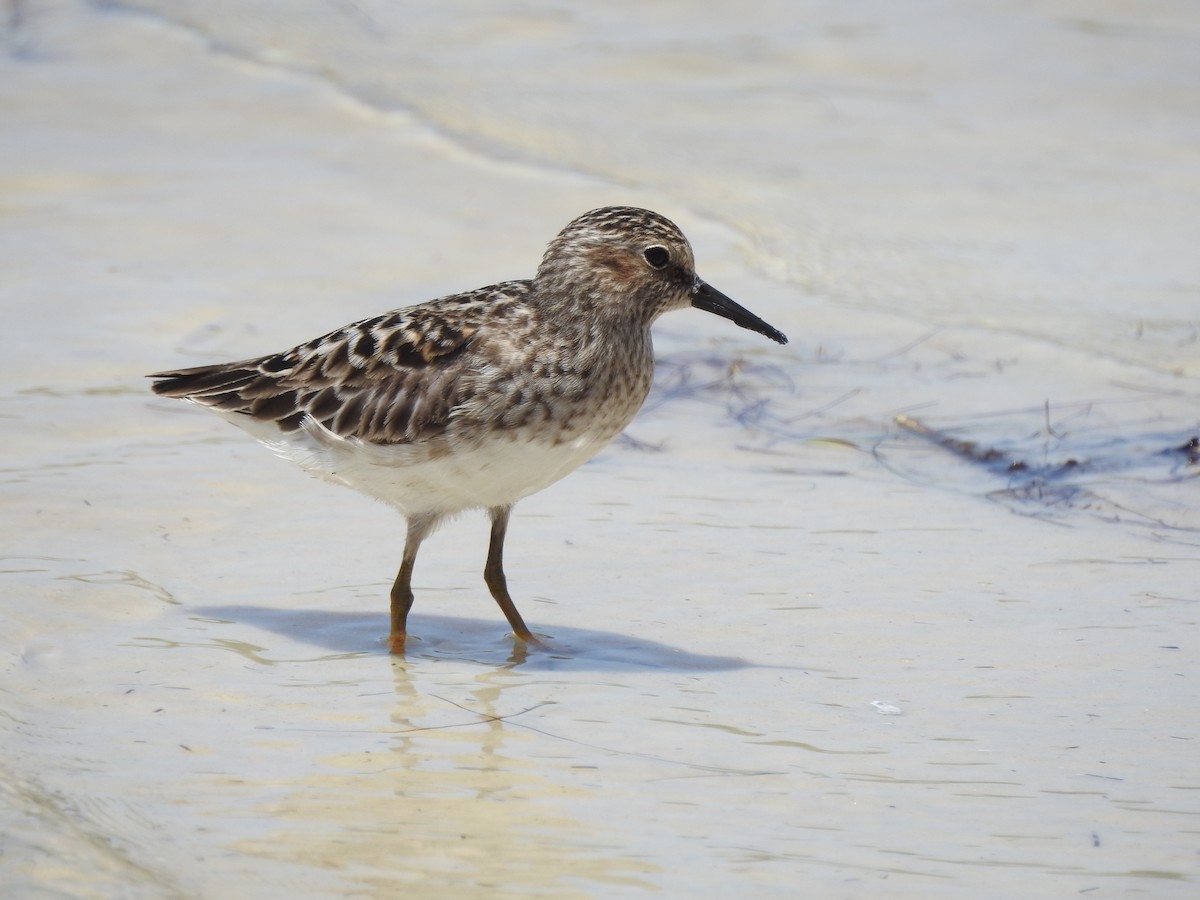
[{"x": 792, "y": 644}]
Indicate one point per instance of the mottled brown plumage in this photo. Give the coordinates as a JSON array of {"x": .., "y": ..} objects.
[{"x": 476, "y": 399}]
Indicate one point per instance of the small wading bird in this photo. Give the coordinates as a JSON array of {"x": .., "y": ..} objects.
[{"x": 475, "y": 400}]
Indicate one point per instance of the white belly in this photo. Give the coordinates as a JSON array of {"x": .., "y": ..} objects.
[{"x": 496, "y": 472}]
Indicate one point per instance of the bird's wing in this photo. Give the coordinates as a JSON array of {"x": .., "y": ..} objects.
[{"x": 391, "y": 379}]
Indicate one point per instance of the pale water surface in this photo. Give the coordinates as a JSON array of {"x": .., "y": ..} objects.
[{"x": 797, "y": 648}]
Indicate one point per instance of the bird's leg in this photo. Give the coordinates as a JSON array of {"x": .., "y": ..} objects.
[
  {"x": 493, "y": 574},
  {"x": 402, "y": 595}
]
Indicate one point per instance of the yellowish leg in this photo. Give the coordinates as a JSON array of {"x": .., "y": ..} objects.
[
  {"x": 493, "y": 574},
  {"x": 402, "y": 595}
]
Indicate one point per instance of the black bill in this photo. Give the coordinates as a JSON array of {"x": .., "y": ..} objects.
[{"x": 711, "y": 300}]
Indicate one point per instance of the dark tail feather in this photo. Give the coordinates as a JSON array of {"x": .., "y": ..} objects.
[{"x": 203, "y": 381}]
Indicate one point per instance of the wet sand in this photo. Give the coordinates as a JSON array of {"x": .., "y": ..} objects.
[{"x": 796, "y": 643}]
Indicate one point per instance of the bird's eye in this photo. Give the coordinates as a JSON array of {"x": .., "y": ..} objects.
[{"x": 658, "y": 257}]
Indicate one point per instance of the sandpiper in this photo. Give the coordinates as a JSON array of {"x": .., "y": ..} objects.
[{"x": 475, "y": 400}]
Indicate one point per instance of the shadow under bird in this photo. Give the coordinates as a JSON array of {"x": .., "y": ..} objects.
[{"x": 475, "y": 400}]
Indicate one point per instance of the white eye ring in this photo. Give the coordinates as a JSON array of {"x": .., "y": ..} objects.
[{"x": 657, "y": 256}]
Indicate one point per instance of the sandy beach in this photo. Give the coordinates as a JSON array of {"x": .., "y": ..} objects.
[{"x": 907, "y": 607}]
